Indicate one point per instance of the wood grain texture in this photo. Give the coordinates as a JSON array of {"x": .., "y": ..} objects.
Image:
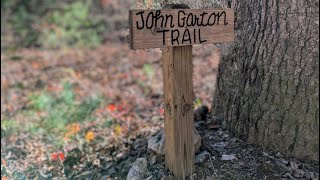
[
  {"x": 178, "y": 95},
  {"x": 153, "y": 37}
]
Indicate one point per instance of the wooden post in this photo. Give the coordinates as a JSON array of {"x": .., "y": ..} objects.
[
  {"x": 175, "y": 29},
  {"x": 178, "y": 102},
  {"x": 178, "y": 107}
]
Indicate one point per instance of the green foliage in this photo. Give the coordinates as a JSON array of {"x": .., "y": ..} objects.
[
  {"x": 20, "y": 17},
  {"x": 50, "y": 24},
  {"x": 18, "y": 175},
  {"x": 63, "y": 109},
  {"x": 197, "y": 103},
  {"x": 67, "y": 94},
  {"x": 71, "y": 27},
  {"x": 84, "y": 109},
  {"x": 42, "y": 102},
  {"x": 34, "y": 128},
  {"x": 107, "y": 123},
  {"x": 148, "y": 70},
  {"x": 8, "y": 126}
]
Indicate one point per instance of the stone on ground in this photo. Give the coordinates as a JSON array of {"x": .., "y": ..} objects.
[
  {"x": 156, "y": 143},
  {"x": 138, "y": 169},
  {"x": 230, "y": 157},
  {"x": 202, "y": 157}
]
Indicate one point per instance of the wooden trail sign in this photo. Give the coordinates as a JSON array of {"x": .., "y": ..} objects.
[
  {"x": 180, "y": 27},
  {"x": 175, "y": 30}
]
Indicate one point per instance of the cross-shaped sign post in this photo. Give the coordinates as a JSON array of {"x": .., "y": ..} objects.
[{"x": 175, "y": 28}]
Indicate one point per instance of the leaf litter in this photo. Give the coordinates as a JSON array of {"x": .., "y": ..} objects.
[
  {"x": 102, "y": 139},
  {"x": 92, "y": 107}
]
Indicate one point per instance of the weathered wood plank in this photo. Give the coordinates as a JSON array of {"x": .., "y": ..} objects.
[
  {"x": 180, "y": 27},
  {"x": 178, "y": 102}
]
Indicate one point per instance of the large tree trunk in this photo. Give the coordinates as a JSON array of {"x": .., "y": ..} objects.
[{"x": 268, "y": 84}]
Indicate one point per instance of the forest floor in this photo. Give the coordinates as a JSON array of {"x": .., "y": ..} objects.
[
  {"x": 66, "y": 111},
  {"x": 88, "y": 114}
]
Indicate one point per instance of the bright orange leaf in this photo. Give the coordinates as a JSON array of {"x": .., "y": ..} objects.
[
  {"x": 89, "y": 136},
  {"x": 111, "y": 107},
  {"x": 74, "y": 128},
  {"x": 4, "y": 162},
  {"x": 61, "y": 156},
  {"x": 54, "y": 156},
  {"x": 57, "y": 156}
]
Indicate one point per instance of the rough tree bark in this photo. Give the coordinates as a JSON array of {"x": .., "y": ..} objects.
[{"x": 268, "y": 84}]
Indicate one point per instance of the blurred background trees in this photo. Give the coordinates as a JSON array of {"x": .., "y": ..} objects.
[{"x": 55, "y": 24}]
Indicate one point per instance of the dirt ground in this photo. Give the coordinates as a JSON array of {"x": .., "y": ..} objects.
[
  {"x": 222, "y": 156},
  {"x": 130, "y": 86},
  {"x": 127, "y": 84}
]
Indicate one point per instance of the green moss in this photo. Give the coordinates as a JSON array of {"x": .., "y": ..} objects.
[{"x": 59, "y": 110}]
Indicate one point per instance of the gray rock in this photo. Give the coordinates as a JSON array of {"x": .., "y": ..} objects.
[
  {"x": 149, "y": 178},
  {"x": 196, "y": 140},
  {"x": 202, "y": 157},
  {"x": 156, "y": 143},
  {"x": 193, "y": 177},
  {"x": 153, "y": 160},
  {"x": 312, "y": 175},
  {"x": 298, "y": 173},
  {"x": 138, "y": 144},
  {"x": 106, "y": 165},
  {"x": 288, "y": 175},
  {"x": 294, "y": 166},
  {"x": 284, "y": 161},
  {"x": 282, "y": 165},
  {"x": 138, "y": 169},
  {"x": 220, "y": 144},
  {"x": 228, "y": 157},
  {"x": 307, "y": 174}
]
